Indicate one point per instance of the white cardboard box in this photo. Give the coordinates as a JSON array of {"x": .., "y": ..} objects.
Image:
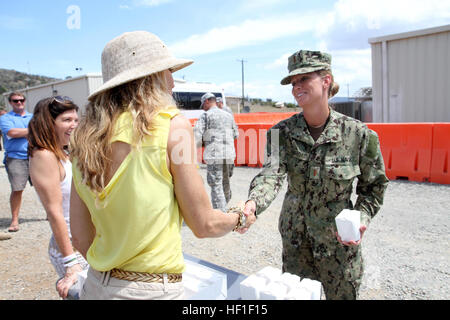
[
  {"x": 271, "y": 284},
  {"x": 313, "y": 286},
  {"x": 203, "y": 283},
  {"x": 348, "y": 223},
  {"x": 252, "y": 286}
]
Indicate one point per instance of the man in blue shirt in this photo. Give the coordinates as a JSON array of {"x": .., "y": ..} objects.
[{"x": 14, "y": 128}]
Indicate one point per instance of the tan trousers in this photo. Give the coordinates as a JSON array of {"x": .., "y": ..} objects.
[{"x": 100, "y": 286}]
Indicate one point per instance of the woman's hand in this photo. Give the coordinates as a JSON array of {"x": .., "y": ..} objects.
[
  {"x": 362, "y": 229},
  {"x": 70, "y": 278},
  {"x": 249, "y": 211}
]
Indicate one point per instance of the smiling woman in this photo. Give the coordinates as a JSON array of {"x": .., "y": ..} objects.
[
  {"x": 321, "y": 152},
  {"x": 53, "y": 121}
]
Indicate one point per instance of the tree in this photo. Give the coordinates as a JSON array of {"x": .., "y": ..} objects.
[{"x": 365, "y": 92}]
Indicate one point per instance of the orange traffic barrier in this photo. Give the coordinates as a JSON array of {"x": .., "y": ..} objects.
[
  {"x": 440, "y": 162},
  {"x": 250, "y": 145},
  {"x": 411, "y": 151},
  {"x": 406, "y": 149}
]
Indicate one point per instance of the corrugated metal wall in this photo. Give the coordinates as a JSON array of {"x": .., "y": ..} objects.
[{"x": 410, "y": 77}]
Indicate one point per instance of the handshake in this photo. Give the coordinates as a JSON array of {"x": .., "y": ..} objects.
[{"x": 247, "y": 216}]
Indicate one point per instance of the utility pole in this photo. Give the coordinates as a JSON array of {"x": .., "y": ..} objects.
[{"x": 243, "y": 97}]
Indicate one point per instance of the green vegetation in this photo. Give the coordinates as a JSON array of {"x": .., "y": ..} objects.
[{"x": 11, "y": 80}]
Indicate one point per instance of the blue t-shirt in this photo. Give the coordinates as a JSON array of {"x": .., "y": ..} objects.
[{"x": 15, "y": 147}]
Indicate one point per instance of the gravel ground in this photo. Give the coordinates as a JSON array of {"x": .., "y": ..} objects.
[{"x": 406, "y": 248}]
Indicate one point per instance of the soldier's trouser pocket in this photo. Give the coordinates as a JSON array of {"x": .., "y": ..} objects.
[
  {"x": 298, "y": 258},
  {"x": 341, "y": 273}
]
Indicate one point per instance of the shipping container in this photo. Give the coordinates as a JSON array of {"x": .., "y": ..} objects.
[{"x": 410, "y": 76}]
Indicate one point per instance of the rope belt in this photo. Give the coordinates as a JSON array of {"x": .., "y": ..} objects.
[{"x": 145, "y": 277}]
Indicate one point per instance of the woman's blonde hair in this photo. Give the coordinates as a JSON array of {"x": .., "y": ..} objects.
[
  {"x": 334, "y": 86},
  {"x": 91, "y": 145}
]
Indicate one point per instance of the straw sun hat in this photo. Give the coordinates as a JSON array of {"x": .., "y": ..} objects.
[{"x": 135, "y": 55}]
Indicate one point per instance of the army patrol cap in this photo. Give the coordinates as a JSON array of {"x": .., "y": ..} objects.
[
  {"x": 305, "y": 61},
  {"x": 205, "y": 97}
]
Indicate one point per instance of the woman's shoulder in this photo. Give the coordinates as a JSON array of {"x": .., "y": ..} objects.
[
  {"x": 43, "y": 160},
  {"x": 43, "y": 154},
  {"x": 179, "y": 121},
  {"x": 170, "y": 111}
]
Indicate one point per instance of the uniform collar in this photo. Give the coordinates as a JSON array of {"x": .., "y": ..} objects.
[
  {"x": 331, "y": 133},
  {"x": 212, "y": 108}
]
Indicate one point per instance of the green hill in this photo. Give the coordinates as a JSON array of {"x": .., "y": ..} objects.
[{"x": 11, "y": 80}]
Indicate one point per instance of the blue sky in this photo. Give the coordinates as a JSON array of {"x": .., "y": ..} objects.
[{"x": 54, "y": 37}]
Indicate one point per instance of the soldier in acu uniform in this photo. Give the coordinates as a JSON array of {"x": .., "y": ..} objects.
[
  {"x": 216, "y": 130},
  {"x": 321, "y": 152},
  {"x": 222, "y": 106}
]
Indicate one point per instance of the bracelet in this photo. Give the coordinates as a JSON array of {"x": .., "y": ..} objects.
[
  {"x": 69, "y": 258},
  {"x": 71, "y": 263},
  {"x": 242, "y": 217}
]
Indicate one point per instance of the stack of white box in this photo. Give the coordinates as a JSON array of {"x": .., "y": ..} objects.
[
  {"x": 271, "y": 284},
  {"x": 203, "y": 283}
]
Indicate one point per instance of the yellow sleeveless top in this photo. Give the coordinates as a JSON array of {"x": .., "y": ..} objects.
[{"x": 136, "y": 216}]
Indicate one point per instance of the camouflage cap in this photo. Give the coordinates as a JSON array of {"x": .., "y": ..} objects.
[
  {"x": 205, "y": 97},
  {"x": 305, "y": 61}
]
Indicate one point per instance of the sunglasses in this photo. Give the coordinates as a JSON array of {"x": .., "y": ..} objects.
[
  {"x": 62, "y": 99},
  {"x": 18, "y": 100}
]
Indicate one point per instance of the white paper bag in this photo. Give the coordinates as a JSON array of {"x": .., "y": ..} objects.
[
  {"x": 348, "y": 223},
  {"x": 75, "y": 289}
]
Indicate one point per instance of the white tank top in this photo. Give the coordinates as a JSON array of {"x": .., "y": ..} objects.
[{"x": 65, "y": 190}]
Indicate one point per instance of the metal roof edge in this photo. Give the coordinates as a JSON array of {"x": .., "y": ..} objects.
[
  {"x": 87, "y": 75},
  {"x": 410, "y": 34}
]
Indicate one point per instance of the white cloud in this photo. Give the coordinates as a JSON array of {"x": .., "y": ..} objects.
[
  {"x": 342, "y": 31},
  {"x": 346, "y": 18},
  {"x": 372, "y": 14},
  {"x": 352, "y": 67},
  {"x": 16, "y": 23},
  {"x": 150, "y": 3},
  {"x": 250, "y": 5},
  {"x": 248, "y": 33},
  {"x": 281, "y": 62}
]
